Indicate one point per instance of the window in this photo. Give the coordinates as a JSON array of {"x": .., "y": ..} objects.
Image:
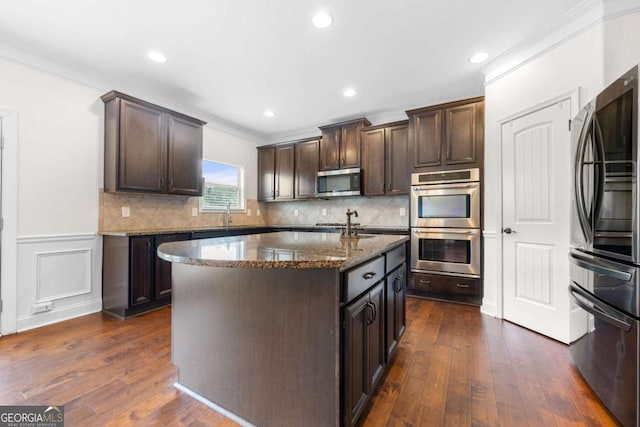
[{"x": 223, "y": 184}]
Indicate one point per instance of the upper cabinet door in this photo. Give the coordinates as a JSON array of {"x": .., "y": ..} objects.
[
  {"x": 306, "y": 169},
  {"x": 266, "y": 173},
  {"x": 142, "y": 150},
  {"x": 330, "y": 149},
  {"x": 397, "y": 176},
  {"x": 350, "y": 146},
  {"x": 373, "y": 162},
  {"x": 185, "y": 157},
  {"x": 427, "y": 135},
  {"x": 461, "y": 134},
  {"x": 284, "y": 172},
  {"x": 447, "y": 136}
]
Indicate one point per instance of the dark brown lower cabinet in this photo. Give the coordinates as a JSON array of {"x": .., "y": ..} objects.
[
  {"x": 364, "y": 351},
  {"x": 134, "y": 279},
  {"x": 395, "y": 308},
  {"x": 466, "y": 290}
]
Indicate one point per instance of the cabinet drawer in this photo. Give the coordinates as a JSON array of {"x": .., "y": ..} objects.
[
  {"x": 361, "y": 278},
  {"x": 395, "y": 257},
  {"x": 447, "y": 284}
]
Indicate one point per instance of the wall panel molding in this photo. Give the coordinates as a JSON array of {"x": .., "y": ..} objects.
[{"x": 64, "y": 270}]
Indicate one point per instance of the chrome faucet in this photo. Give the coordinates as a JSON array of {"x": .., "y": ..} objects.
[
  {"x": 227, "y": 215},
  {"x": 349, "y": 231}
]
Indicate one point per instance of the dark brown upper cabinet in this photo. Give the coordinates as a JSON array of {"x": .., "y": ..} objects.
[
  {"x": 447, "y": 136},
  {"x": 384, "y": 160},
  {"x": 149, "y": 148},
  {"x": 275, "y": 172},
  {"x": 306, "y": 169},
  {"x": 340, "y": 145}
]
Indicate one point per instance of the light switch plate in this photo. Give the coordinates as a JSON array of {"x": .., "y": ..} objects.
[
  {"x": 194, "y": 211},
  {"x": 126, "y": 212},
  {"x": 257, "y": 212},
  {"x": 324, "y": 211},
  {"x": 403, "y": 211},
  {"x": 295, "y": 212},
  {"x": 248, "y": 211}
]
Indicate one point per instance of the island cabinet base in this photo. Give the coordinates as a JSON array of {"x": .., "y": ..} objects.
[{"x": 263, "y": 344}]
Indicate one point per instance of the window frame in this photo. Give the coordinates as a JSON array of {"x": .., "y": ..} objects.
[{"x": 241, "y": 188}]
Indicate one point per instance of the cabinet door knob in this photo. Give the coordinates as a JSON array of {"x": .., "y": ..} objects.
[{"x": 369, "y": 275}]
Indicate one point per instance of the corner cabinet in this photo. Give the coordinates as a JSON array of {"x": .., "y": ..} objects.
[
  {"x": 134, "y": 279},
  {"x": 340, "y": 145},
  {"x": 447, "y": 136},
  {"x": 385, "y": 155},
  {"x": 275, "y": 173},
  {"x": 288, "y": 171},
  {"x": 150, "y": 149}
]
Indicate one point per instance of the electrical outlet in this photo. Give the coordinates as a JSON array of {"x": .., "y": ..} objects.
[
  {"x": 324, "y": 211},
  {"x": 42, "y": 307},
  {"x": 403, "y": 211},
  {"x": 194, "y": 211},
  {"x": 126, "y": 212},
  {"x": 295, "y": 212},
  {"x": 248, "y": 211}
]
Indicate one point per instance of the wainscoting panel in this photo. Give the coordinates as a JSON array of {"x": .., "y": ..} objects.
[
  {"x": 63, "y": 274},
  {"x": 59, "y": 277}
]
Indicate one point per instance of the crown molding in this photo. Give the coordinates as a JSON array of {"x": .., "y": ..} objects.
[{"x": 570, "y": 24}]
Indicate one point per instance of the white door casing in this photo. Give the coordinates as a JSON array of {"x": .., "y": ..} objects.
[
  {"x": 9, "y": 195},
  {"x": 536, "y": 206}
]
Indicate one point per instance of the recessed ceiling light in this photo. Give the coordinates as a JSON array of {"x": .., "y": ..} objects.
[
  {"x": 322, "y": 20},
  {"x": 269, "y": 113},
  {"x": 157, "y": 56},
  {"x": 349, "y": 92},
  {"x": 478, "y": 57}
]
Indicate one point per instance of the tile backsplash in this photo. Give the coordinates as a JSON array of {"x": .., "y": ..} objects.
[
  {"x": 372, "y": 211},
  {"x": 156, "y": 211}
]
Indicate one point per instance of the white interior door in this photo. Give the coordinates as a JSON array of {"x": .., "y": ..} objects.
[{"x": 535, "y": 220}]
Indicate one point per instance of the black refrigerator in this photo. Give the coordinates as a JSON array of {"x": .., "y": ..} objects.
[{"x": 605, "y": 261}]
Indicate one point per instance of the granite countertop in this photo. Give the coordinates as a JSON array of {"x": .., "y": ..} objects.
[
  {"x": 122, "y": 233},
  {"x": 282, "y": 249}
]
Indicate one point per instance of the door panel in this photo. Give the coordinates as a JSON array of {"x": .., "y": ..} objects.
[{"x": 536, "y": 183}]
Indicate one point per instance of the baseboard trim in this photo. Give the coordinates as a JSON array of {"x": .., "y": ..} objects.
[
  {"x": 33, "y": 321},
  {"x": 210, "y": 404}
]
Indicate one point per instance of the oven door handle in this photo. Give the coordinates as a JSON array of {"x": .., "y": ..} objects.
[
  {"x": 596, "y": 310},
  {"x": 435, "y": 187},
  {"x": 448, "y": 231}
]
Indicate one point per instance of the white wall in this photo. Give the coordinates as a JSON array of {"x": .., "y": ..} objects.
[
  {"x": 59, "y": 171},
  {"x": 225, "y": 148},
  {"x": 589, "y": 62}
]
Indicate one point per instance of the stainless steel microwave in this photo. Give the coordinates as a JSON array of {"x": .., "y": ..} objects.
[{"x": 341, "y": 182}]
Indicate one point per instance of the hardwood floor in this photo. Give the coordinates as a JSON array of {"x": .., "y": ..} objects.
[{"x": 454, "y": 367}]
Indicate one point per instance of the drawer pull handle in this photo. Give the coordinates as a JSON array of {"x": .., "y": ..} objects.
[
  {"x": 369, "y": 275},
  {"x": 425, "y": 282},
  {"x": 462, "y": 285}
]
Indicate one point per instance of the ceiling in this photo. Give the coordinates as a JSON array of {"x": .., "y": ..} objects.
[{"x": 230, "y": 60}]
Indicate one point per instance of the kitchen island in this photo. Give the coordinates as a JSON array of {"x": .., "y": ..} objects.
[{"x": 286, "y": 328}]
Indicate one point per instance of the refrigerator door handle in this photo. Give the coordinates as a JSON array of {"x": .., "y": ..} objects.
[
  {"x": 597, "y": 310},
  {"x": 581, "y": 203},
  {"x": 600, "y": 267},
  {"x": 600, "y": 170}
]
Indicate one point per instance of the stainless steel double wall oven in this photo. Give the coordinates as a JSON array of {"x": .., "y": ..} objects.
[
  {"x": 605, "y": 252},
  {"x": 445, "y": 223}
]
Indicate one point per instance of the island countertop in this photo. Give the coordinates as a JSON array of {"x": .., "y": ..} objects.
[{"x": 284, "y": 249}]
